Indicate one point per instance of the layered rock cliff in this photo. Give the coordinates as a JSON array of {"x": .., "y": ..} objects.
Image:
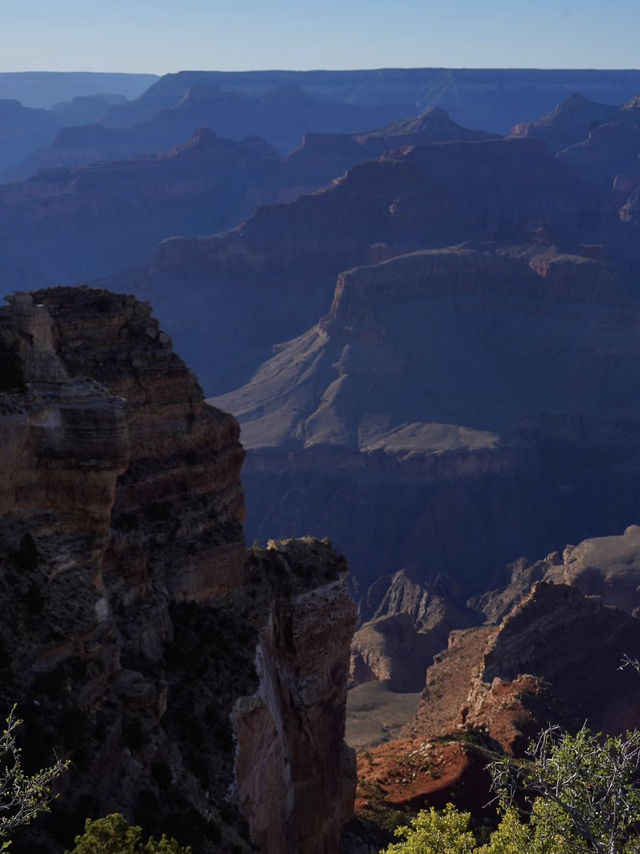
[
  {"x": 322, "y": 157},
  {"x": 138, "y": 636},
  {"x": 555, "y": 658},
  {"x": 440, "y": 384},
  {"x": 423, "y": 197},
  {"x": 72, "y": 224},
  {"x": 608, "y": 567},
  {"x": 410, "y": 624},
  {"x": 281, "y": 115},
  {"x": 569, "y": 123}
]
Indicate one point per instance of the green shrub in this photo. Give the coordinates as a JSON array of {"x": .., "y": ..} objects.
[
  {"x": 433, "y": 832},
  {"x": 114, "y": 835},
  {"x": 22, "y": 796},
  {"x": 571, "y": 794}
]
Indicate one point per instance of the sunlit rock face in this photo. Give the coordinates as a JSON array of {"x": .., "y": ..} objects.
[
  {"x": 184, "y": 455},
  {"x": 608, "y": 567},
  {"x": 555, "y": 657},
  {"x": 291, "y": 757},
  {"x": 133, "y": 620}
]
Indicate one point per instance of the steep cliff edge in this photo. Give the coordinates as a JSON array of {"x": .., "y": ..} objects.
[
  {"x": 473, "y": 401},
  {"x": 409, "y": 626},
  {"x": 271, "y": 278},
  {"x": 138, "y": 636},
  {"x": 556, "y": 657}
]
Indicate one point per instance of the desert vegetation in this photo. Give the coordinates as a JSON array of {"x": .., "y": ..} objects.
[{"x": 570, "y": 794}]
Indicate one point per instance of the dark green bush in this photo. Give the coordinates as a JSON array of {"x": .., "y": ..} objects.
[{"x": 114, "y": 835}]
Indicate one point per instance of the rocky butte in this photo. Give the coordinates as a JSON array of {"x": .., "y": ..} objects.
[
  {"x": 466, "y": 405},
  {"x": 197, "y": 687},
  {"x": 550, "y": 649}
]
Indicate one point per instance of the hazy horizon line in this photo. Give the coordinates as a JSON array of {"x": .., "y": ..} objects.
[{"x": 316, "y": 69}]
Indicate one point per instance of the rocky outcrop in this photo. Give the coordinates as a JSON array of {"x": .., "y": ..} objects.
[
  {"x": 573, "y": 644},
  {"x": 607, "y": 567},
  {"x": 556, "y": 658},
  {"x": 138, "y": 637},
  {"x": 570, "y": 122},
  {"x": 183, "y": 454},
  {"x": 322, "y": 157},
  {"x": 410, "y": 625},
  {"x": 291, "y": 757}
]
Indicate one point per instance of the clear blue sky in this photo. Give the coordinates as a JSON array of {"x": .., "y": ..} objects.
[{"x": 168, "y": 35}]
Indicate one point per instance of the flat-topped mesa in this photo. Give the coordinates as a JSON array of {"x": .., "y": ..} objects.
[
  {"x": 386, "y": 330},
  {"x": 531, "y": 273}
]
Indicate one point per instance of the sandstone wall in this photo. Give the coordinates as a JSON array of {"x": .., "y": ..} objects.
[
  {"x": 132, "y": 621},
  {"x": 290, "y": 756}
]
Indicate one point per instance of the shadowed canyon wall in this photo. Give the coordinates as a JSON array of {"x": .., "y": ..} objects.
[{"x": 139, "y": 637}]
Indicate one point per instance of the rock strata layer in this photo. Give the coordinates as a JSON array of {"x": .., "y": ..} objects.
[
  {"x": 139, "y": 637},
  {"x": 440, "y": 383},
  {"x": 554, "y": 658}
]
